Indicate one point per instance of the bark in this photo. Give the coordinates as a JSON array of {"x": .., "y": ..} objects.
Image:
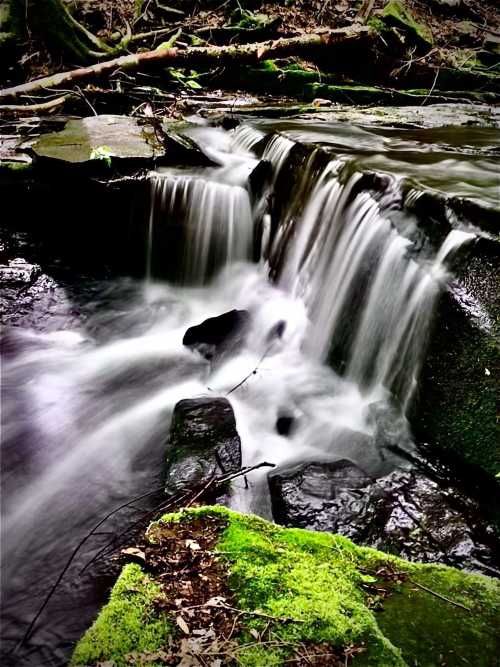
[
  {"x": 304, "y": 45},
  {"x": 51, "y": 21}
]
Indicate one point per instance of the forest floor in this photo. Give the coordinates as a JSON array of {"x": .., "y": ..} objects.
[{"x": 421, "y": 46}]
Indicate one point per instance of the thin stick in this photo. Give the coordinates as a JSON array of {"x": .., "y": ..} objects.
[
  {"x": 432, "y": 89},
  {"x": 438, "y": 595},
  {"x": 244, "y": 471}
]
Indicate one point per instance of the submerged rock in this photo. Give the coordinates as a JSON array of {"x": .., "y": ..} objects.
[
  {"x": 216, "y": 334},
  {"x": 203, "y": 443}
]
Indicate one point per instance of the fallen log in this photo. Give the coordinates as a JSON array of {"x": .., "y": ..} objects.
[{"x": 195, "y": 56}]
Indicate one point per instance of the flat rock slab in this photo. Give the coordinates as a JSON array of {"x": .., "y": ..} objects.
[
  {"x": 203, "y": 443},
  {"x": 100, "y": 138}
]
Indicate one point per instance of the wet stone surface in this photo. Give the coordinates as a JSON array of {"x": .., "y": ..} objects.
[
  {"x": 404, "y": 513},
  {"x": 203, "y": 443}
]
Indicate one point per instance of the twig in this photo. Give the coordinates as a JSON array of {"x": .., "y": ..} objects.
[
  {"x": 244, "y": 471},
  {"x": 438, "y": 595},
  {"x": 431, "y": 89}
]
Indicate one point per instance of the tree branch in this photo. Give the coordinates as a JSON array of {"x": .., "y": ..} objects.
[{"x": 195, "y": 56}]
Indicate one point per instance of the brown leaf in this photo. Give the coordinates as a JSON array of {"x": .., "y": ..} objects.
[{"x": 182, "y": 624}]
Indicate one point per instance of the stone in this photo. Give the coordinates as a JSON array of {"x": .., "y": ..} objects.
[
  {"x": 397, "y": 14},
  {"x": 203, "y": 443},
  {"x": 284, "y": 424},
  {"x": 300, "y": 491},
  {"x": 405, "y": 513},
  {"x": 100, "y": 138},
  {"x": 216, "y": 334},
  {"x": 19, "y": 271}
]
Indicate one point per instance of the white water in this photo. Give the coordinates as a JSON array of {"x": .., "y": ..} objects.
[{"x": 98, "y": 407}]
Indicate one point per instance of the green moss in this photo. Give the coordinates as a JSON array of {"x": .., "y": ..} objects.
[
  {"x": 396, "y": 14},
  {"x": 438, "y": 632},
  {"x": 12, "y": 166},
  {"x": 127, "y": 623},
  {"x": 319, "y": 583}
]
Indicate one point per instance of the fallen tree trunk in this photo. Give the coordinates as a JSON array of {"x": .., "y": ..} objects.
[{"x": 195, "y": 56}]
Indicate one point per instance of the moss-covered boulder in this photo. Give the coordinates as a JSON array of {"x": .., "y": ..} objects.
[
  {"x": 278, "y": 595},
  {"x": 397, "y": 14}
]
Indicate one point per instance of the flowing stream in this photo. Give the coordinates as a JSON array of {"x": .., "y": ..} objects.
[{"x": 87, "y": 405}]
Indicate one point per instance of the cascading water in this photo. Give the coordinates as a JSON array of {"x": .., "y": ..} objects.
[{"x": 99, "y": 397}]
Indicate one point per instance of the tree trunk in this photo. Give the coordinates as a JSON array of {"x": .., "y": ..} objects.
[
  {"x": 305, "y": 45},
  {"x": 11, "y": 24},
  {"x": 51, "y": 21}
]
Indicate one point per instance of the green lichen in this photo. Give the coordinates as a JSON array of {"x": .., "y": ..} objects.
[
  {"x": 128, "y": 623},
  {"x": 396, "y": 13},
  {"x": 320, "y": 584}
]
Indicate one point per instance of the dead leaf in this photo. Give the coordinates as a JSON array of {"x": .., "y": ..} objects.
[
  {"x": 133, "y": 553},
  {"x": 255, "y": 634},
  {"x": 193, "y": 545},
  {"x": 182, "y": 624}
]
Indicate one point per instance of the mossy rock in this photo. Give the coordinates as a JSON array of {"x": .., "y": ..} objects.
[
  {"x": 456, "y": 407},
  {"x": 127, "y": 623},
  {"x": 101, "y": 139},
  {"x": 396, "y": 14},
  {"x": 325, "y": 587}
]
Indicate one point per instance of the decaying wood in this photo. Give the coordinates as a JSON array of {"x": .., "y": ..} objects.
[
  {"x": 195, "y": 56},
  {"x": 30, "y": 109}
]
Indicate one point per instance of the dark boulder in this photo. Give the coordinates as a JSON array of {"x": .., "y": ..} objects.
[
  {"x": 405, "y": 513},
  {"x": 299, "y": 492},
  {"x": 203, "y": 443},
  {"x": 216, "y": 334},
  {"x": 285, "y": 424}
]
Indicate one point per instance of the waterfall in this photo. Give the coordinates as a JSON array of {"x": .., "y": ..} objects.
[
  {"x": 366, "y": 297},
  {"x": 216, "y": 221}
]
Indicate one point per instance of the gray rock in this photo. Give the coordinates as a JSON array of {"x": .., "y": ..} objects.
[
  {"x": 100, "y": 138},
  {"x": 19, "y": 272},
  {"x": 203, "y": 443}
]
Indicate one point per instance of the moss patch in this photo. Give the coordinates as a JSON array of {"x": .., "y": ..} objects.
[
  {"x": 128, "y": 623},
  {"x": 396, "y": 14},
  {"x": 294, "y": 588}
]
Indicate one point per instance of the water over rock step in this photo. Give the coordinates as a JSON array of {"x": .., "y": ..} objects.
[{"x": 222, "y": 588}]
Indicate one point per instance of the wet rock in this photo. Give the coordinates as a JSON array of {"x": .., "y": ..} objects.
[
  {"x": 403, "y": 513},
  {"x": 284, "y": 424},
  {"x": 456, "y": 405},
  {"x": 203, "y": 442},
  {"x": 216, "y": 334},
  {"x": 299, "y": 492},
  {"x": 19, "y": 272}
]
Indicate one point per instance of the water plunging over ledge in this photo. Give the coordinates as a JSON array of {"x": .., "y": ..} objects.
[{"x": 349, "y": 286}]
